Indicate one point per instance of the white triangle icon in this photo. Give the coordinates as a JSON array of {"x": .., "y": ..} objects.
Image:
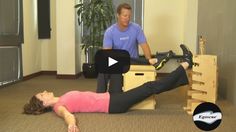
[{"x": 111, "y": 61}]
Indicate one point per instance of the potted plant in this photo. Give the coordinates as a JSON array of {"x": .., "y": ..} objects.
[{"x": 95, "y": 16}]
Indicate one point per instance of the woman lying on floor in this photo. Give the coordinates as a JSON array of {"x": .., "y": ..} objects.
[{"x": 76, "y": 101}]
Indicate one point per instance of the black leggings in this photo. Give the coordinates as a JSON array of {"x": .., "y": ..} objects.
[
  {"x": 121, "y": 102},
  {"x": 116, "y": 80}
]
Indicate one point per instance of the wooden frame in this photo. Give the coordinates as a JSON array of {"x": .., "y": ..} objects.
[{"x": 203, "y": 78}]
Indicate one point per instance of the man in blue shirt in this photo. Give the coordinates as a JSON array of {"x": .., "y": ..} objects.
[{"x": 127, "y": 36}]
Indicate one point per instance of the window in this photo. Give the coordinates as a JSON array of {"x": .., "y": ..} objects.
[{"x": 44, "y": 28}]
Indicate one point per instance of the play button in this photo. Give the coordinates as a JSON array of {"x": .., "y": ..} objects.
[{"x": 112, "y": 61}]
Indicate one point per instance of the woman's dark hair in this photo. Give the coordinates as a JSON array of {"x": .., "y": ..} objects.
[
  {"x": 35, "y": 107},
  {"x": 123, "y": 6}
]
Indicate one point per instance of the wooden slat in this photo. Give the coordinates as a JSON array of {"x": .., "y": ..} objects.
[
  {"x": 206, "y": 76},
  {"x": 208, "y": 87},
  {"x": 191, "y": 92}
]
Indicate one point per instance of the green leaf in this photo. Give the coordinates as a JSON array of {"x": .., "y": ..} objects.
[
  {"x": 78, "y": 5},
  {"x": 95, "y": 16}
]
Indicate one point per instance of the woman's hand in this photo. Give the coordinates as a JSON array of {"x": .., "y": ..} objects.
[
  {"x": 69, "y": 119},
  {"x": 73, "y": 128}
]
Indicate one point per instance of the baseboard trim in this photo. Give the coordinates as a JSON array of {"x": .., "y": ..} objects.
[
  {"x": 49, "y": 72},
  {"x": 28, "y": 77},
  {"x": 66, "y": 76}
]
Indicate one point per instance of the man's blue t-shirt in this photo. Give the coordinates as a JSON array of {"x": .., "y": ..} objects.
[{"x": 126, "y": 40}]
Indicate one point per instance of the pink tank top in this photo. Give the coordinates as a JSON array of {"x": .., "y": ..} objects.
[{"x": 76, "y": 101}]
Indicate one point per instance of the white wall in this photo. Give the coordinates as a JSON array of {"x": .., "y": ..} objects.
[
  {"x": 59, "y": 53},
  {"x": 31, "y": 49},
  {"x": 190, "y": 25},
  {"x": 38, "y": 54},
  {"x": 169, "y": 23},
  {"x": 164, "y": 24},
  {"x": 66, "y": 48},
  {"x": 48, "y": 46}
]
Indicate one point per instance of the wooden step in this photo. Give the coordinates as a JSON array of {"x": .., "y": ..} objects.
[{"x": 191, "y": 92}]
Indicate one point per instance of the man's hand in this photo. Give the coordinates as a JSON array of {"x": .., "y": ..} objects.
[
  {"x": 73, "y": 128},
  {"x": 152, "y": 61}
]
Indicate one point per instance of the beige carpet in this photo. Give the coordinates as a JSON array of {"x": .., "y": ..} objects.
[{"x": 168, "y": 116}]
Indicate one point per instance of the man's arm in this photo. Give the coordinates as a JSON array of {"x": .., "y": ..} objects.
[
  {"x": 147, "y": 53},
  {"x": 69, "y": 119},
  {"x": 146, "y": 50}
]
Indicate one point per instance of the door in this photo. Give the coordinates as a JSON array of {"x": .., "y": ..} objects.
[{"x": 11, "y": 38}]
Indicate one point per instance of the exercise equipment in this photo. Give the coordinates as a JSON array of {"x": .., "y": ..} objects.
[
  {"x": 203, "y": 79},
  {"x": 203, "y": 86},
  {"x": 136, "y": 76}
]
